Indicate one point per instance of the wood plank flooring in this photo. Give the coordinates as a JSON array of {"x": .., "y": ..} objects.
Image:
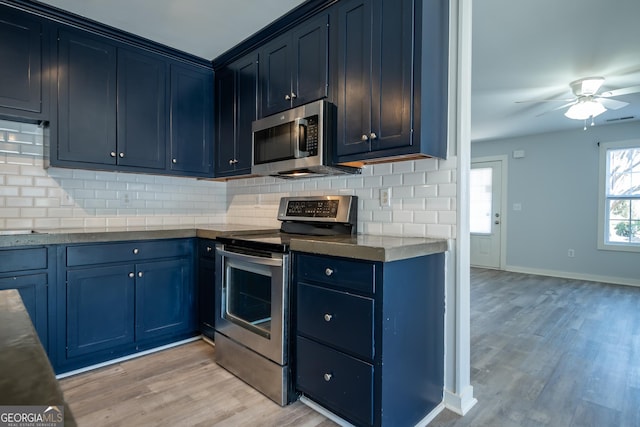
[
  {"x": 544, "y": 352},
  {"x": 181, "y": 386},
  {"x": 552, "y": 352}
]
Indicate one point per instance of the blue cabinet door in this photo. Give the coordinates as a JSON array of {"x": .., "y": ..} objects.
[
  {"x": 191, "y": 120},
  {"x": 275, "y": 76},
  {"x": 236, "y": 108},
  {"x": 86, "y": 99},
  {"x": 354, "y": 60},
  {"x": 99, "y": 309},
  {"x": 142, "y": 113},
  {"x": 206, "y": 287},
  {"x": 310, "y": 60},
  {"x": 21, "y": 74},
  {"x": 33, "y": 291},
  {"x": 164, "y": 298}
]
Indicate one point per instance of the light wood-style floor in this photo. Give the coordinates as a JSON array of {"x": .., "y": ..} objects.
[{"x": 544, "y": 352}]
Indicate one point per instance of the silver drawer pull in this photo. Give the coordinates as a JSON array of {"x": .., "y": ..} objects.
[
  {"x": 328, "y": 317},
  {"x": 327, "y": 377},
  {"x": 209, "y": 249},
  {"x": 328, "y": 271},
  {"x": 131, "y": 275},
  {"x": 135, "y": 251},
  {"x": 140, "y": 274}
]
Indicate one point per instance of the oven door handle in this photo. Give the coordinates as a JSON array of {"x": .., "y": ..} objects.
[{"x": 272, "y": 262}]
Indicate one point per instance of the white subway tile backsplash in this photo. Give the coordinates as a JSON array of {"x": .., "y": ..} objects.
[{"x": 423, "y": 194}]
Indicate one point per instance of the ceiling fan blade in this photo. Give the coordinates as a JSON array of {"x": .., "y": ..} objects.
[
  {"x": 545, "y": 100},
  {"x": 620, "y": 92},
  {"x": 612, "y": 104},
  {"x": 557, "y": 108}
]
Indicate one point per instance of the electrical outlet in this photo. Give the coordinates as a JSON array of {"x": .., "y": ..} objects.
[
  {"x": 385, "y": 197},
  {"x": 571, "y": 253}
]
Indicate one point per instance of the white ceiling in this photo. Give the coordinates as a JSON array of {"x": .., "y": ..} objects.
[{"x": 522, "y": 49}]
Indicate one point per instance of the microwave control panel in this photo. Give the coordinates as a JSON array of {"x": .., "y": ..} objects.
[{"x": 312, "y": 135}]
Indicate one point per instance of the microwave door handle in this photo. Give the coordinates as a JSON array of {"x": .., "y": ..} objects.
[{"x": 300, "y": 149}]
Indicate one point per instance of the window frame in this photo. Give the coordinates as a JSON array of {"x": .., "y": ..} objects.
[{"x": 603, "y": 214}]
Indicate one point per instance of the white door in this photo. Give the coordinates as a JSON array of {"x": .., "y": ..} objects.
[{"x": 486, "y": 216}]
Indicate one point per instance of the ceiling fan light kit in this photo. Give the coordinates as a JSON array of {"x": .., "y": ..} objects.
[{"x": 585, "y": 108}]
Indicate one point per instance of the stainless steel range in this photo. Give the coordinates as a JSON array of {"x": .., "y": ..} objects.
[{"x": 252, "y": 291}]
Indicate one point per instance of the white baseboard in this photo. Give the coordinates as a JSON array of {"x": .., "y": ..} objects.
[
  {"x": 125, "y": 358},
  {"x": 431, "y": 415},
  {"x": 573, "y": 275},
  {"x": 460, "y": 403}
]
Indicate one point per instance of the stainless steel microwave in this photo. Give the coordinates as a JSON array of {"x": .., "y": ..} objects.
[{"x": 297, "y": 143}]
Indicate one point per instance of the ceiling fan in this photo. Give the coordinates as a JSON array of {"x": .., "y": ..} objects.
[{"x": 587, "y": 103}]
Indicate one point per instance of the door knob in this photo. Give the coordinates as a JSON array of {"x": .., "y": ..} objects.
[
  {"x": 328, "y": 271},
  {"x": 135, "y": 251},
  {"x": 287, "y": 97},
  {"x": 131, "y": 275},
  {"x": 327, "y": 377},
  {"x": 121, "y": 155},
  {"x": 174, "y": 161},
  {"x": 112, "y": 154},
  {"x": 328, "y": 317},
  {"x": 373, "y": 136},
  {"x": 293, "y": 95},
  {"x": 364, "y": 137},
  {"x": 140, "y": 274}
]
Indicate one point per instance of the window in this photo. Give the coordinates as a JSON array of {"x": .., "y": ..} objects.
[
  {"x": 619, "y": 213},
  {"x": 481, "y": 200}
]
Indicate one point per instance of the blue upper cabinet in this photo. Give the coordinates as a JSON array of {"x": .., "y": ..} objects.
[
  {"x": 294, "y": 66},
  {"x": 142, "y": 109},
  {"x": 236, "y": 97},
  {"x": 383, "y": 97},
  {"x": 191, "y": 120},
  {"x": 24, "y": 87},
  {"x": 86, "y": 101}
]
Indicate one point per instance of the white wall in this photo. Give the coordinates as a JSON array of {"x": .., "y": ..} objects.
[
  {"x": 35, "y": 198},
  {"x": 557, "y": 185}
]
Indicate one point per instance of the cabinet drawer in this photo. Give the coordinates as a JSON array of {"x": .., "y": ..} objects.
[
  {"x": 344, "y": 273},
  {"x": 342, "y": 320},
  {"x": 23, "y": 259},
  {"x": 125, "y": 252},
  {"x": 207, "y": 248},
  {"x": 334, "y": 379}
]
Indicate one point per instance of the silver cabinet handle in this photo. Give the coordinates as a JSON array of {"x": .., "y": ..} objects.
[
  {"x": 131, "y": 275},
  {"x": 121, "y": 155},
  {"x": 209, "y": 249},
  {"x": 328, "y": 271},
  {"x": 293, "y": 95},
  {"x": 327, "y": 377},
  {"x": 140, "y": 274},
  {"x": 174, "y": 161},
  {"x": 364, "y": 137},
  {"x": 231, "y": 161},
  {"x": 287, "y": 97},
  {"x": 373, "y": 136},
  {"x": 328, "y": 317},
  {"x": 112, "y": 154},
  {"x": 135, "y": 251}
]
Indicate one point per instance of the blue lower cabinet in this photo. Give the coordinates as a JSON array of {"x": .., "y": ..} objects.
[
  {"x": 30, "y": 270},
  {"x": 164, "y": 298},
  {"x": 33, "y": 291},
  {"x": 369, "y": 343},
  {"x": 118, "y": 308},
  {"x": 100, "y": 309}
]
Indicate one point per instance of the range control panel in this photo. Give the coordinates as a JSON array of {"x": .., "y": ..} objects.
[{"x": 341, "y": 209}]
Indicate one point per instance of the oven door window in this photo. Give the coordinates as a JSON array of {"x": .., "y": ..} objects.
[{"x": 248, "y": 296}]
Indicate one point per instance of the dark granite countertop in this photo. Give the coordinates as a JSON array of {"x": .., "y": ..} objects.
[
  {"x": 370, "y": 247},
  {"x": 26, "y": 377},
  {"x": 362, "y": 246}
]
